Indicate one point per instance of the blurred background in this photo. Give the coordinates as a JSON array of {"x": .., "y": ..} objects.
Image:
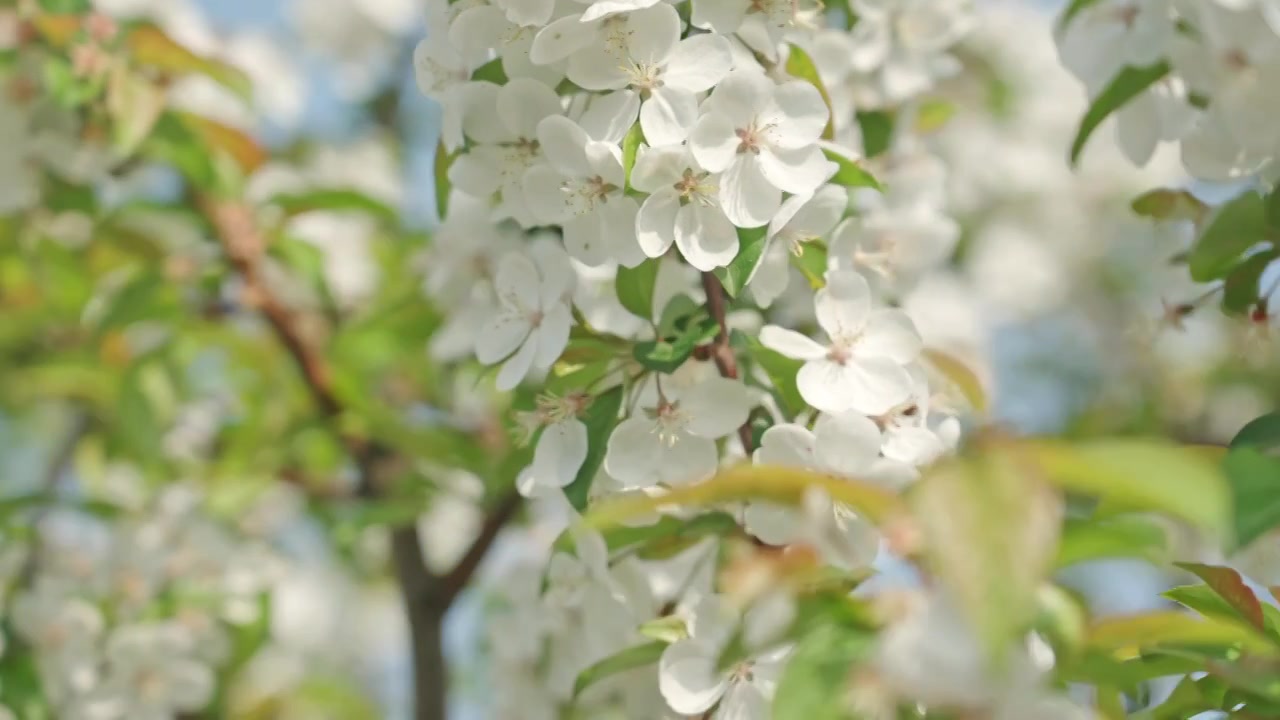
[{"x": 1057, "y": 296}]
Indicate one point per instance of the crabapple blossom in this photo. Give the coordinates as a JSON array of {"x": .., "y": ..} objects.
[
  {"x": 531, "y": 328},
  {"x": 667, "y": 72},
  {"x": 581, "y": 188},
  {"x": 673, "y": 442},
  {"x": 762, "y": 138},
  {"x": 682, "y": 208},
  {"x": 863, "y": 366}
]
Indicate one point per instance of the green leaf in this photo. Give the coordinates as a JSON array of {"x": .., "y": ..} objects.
[
  {"x": 1128, "y": 84},
  {"x": 66, "y": 7},
  {"x": 601, "y": 417},
  {"x": 630, "y": 146},
  {"x": 442, "y": 162},
  {"x": 634, "y": 657},
  {"x": 491, "y": 71},
  {"x": 66, "y": 87},
  {"x": 1101, "y": 668},
  {"x": 1113, "y": 537},
  {"x": 1205, "y": 601},
  {"x": 991, "y": 530},
  {"x": 134, "y": 104},
  {"x": 671, "y": 536},
  {"x": 784, "y": 485},
  {"x": 800, "y": 65},
  {"x": 751, "y": 246},
  {"x": 959, "y": 374},
  {"x": 781, "y": 371},
  {"x": 1234, "y": 228},
  {"x": 1242, "y": 287},
  {"x": 1123, "y": 637},
  {"x": 877, "y": 131},
  {"x": 1262, "y": 433},
  {"x": 1072, "y": 10},
  {"x": 677, "y": 313},
  {"x": 1230, "y": 586},
  {"x": 635, "y": 288},
  {"x": 1141, "y": 475},
  {"x": 152, "y": 48},
  {"x": 850, "y": 174},
  {"x": 341, "y": 200},
  {"x": 816, "y": 678},
  {"x": 1167, "y": 204},
  {"x": 812, "y": 263},
  {"x": 666, "y": 355},
  {"x": 1255, "y": 485},
  {"x": 666, "y": 629},
  {"x": 933, "y": 115}
]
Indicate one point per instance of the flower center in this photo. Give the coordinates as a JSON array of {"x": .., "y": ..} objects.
[
  {"x": 592, "y": 190},
  {"x": 777, "y": 12},
  {"x": 750, "y": 139},
  {"x": 669, "y": 422},
  {"x": 841, "y": 350},
  {"x": 644, "y": 77},
  {"x": 742, "y": 672},
  {"x": 520, "y": 156},
  {"x": 1127, "y": 15},
  {"x": 693, "y": 187}
]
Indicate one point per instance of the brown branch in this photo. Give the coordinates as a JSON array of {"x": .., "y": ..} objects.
[
  {"x": 427, "y": 596},
  {"x": 721, "y": 352},
  {"x": 456, "y": 579}
]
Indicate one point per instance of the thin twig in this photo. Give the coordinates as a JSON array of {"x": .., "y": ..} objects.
[
  {"x": 721, "y": 352},
  {"x": 456, "y": 579}
]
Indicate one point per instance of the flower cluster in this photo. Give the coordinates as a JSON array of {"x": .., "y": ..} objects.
[
  {"x": 133, "y": 612},
  {"x": 1209, "y": 78},
  {"x": 644, "y": 198}
]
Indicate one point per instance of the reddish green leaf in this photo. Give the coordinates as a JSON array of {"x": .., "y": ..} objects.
[{"x": 1231, "y": 587}]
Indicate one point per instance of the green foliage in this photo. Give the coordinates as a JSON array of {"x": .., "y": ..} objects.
[
  {"x": 1252, "y": 467},
  {"x": 1125, "y": 86},
  {"x": 601, "y": 418},
  {"x": 817, "y": 677},
  {"x": 635, "y": 287},
  {"x": 1120, "y": 536},
  {"x": 780, "y": 369},
  {"x": 630, "y": 146},
  {"x": 849, "y": 173},
  {"x": 669, "y": 353},
  {"x": 491, "y": 71},
  {"x": 877, "y": 131},
  {"x": 629, "y": 659},
  {"x": 800, "y": 65},
  {"x": 752, "y": 243},
  {"x": 1234, "y": 228}
]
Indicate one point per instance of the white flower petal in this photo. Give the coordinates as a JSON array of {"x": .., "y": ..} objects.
[
  {"x": 721, "y": 16},
  {"x": 523, "y": 103},
  {"x": 689, "y": 459},
  {"x": 747, "y": 197},
  {"x": 598, "y": 67},
  {"x": 877, "y": 385},
  {"x": 827, "y": 385},
  {"x": 651, "y": 36},
  {"x": 698, "y": 63},
  {"x": 500, "y": 337},
  {"x": 743, "y": 701},
  {"x": 714, "y": 142},
  {"x": 564, "y": 145},
  {"x": 705, "y": 236},
  {"x": 687, "y": 677},
  {"x": 791, "y": 343},
  {"x": 658, "y": 168},
  {"x": 561, "y": 450},
  {"x": 605, "y": 8},
  {"x": 655, "y": 223},
  {"x": 717, "y": 406},
  {"x": 634, "y": 453},
  {"x": 527, "y": 12},
  {"x": 552, "y": 335},
  {"x": 890, "y": 333},
  {"x": 517, "y": 367},
  {"x": 772, "y": 523},
  {"x": 847, "y": 443},
  {"x": 787, "y": 444},
  {"x": 799, "y": 171},
  {"x": 562, "y": 38},
  {"x": 668, "y": 116},
  {"x": 844, "y": 305},
  {"x": 548, "y": 202},
  {"x": 796, "y": 115},
  {"x": 611, "y": 116}
]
